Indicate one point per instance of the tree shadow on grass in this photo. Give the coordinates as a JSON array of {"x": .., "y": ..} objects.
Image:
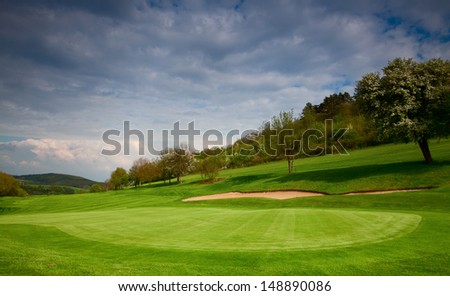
[
  {"x": 365, "y": 171},
  {"x": 234, "y": 181}
]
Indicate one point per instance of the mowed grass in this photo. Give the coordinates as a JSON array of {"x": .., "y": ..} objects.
[
  {"x": 229, "y": 230},
  {"x": 151, "y": 231}
]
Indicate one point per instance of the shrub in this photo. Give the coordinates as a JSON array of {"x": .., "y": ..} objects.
[
  {"x": 210, "y": 166},
  {"x": 97, "y": 188},
  {"x": 10, "y": 186}
]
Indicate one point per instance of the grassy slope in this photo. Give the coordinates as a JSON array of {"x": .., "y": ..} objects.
[{"x": 45, "y": 249}]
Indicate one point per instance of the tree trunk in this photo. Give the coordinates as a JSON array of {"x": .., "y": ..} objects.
[
  {"x": 290, "y": 160},
  {"x": 423, "y": 144}
]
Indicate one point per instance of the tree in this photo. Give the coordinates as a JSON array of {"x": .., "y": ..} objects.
[
  {"x": 210, "y": 166},
  {"x": 410, "y": 102},
  {"x": 119, "y": 178},
  {"x": 309, "y": 115},
  {"x": 281, "y": 138},
  {"x": 10, "y": 186},
  {"x": 333, "y": 104},
  {"x": 177, "y": 162},
  {"x": 164, "y": 167},
  {"x": 143, "y": 171}
]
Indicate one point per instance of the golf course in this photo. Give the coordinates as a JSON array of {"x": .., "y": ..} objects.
[{"x": 156, "y": 230}]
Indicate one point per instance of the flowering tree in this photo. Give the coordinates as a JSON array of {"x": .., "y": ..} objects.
[{"x": 409, "y": 102}]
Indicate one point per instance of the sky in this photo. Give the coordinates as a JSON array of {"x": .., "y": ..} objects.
[{"x": 72, "y": 70}]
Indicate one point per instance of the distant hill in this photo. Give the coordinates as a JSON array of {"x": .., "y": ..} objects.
[{"x": 56, "y": 180}]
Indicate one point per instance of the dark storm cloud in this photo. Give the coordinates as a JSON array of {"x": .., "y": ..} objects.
[{"x": 116, "y": 9}]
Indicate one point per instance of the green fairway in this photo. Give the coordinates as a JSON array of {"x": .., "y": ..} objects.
[
  {"x": 225, "y": 229},
  {"x": 150, "y": 231}
]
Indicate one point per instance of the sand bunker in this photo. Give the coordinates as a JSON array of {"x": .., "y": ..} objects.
[
  {"x": 265, "y": 194},
  {"x": 382, "y": 192},
  {"x": 282, "y": 194}
]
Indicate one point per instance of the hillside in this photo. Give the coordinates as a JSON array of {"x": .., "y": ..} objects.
[{"x": 56, "y": 180}]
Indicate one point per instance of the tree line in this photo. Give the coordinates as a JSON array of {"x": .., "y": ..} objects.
[{"x": 172, "y": 164}]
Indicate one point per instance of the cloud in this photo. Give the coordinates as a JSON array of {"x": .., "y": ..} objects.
[
  {"x": 78, "y": 157},
  {"x": 45, "y": 149},
  {"x": 71, "y": 70}
]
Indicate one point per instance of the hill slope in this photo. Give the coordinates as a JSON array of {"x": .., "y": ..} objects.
[{"x": 56, "y": 179}]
